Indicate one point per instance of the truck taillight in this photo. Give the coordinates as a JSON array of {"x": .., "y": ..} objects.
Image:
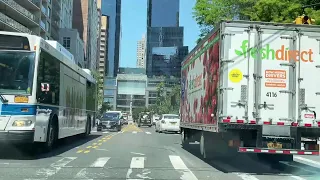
[
  {"x": 280, "y": 123},
  {"x": 294, "y": 124},
  {"x": 307, "y": 125}
]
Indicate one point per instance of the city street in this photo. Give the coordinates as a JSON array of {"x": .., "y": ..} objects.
[{"x": 140, "y": 153}]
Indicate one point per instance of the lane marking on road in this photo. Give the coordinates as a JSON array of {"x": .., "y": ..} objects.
[
  {"x": 295, "y": 166},
  {"x": 246, "y": 176},
  {"x": 179, "y": 165},
  {"x": 54, "y": 167},
  {"x": 148, "y": 132},
  {"x": 96, "y": 144},
  {"x": 137, "y": 153},
  {"x": 105, "y": 132},
  {"x": 137, "y": 163},
  {"x": 100, "y": 162},
  {"x": 297, "y": 177},
  {"x": 102, "y": 149},
  {"x": 134, "y": 132},
  {"x": 307, "y": 160},
  {"x": 82, "y": 174}
]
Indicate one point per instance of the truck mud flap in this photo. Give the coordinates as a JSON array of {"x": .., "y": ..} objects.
[{"x": 277, "y": 151}]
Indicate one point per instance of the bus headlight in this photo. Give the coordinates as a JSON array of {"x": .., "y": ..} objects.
[{"x": 22, "y": 123}]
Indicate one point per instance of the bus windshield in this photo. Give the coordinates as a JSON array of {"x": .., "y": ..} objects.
[{"x": 16, "y": 72}]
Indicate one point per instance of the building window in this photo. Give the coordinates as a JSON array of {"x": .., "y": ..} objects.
[
  {"x": 66, "y": 42},
  {"x": 108, "y": 92},
  {"x": 49, "y": 12},
  {"x": 110, "y": 100},
  {"x": 48, "y": 26}
]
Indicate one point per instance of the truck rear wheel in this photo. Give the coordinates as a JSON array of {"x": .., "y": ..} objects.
[
  {"x": 184, "y": 138},
  {"x": 206, "y": 148}
]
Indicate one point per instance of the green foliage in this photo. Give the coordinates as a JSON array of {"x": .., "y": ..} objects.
[
  {"x": 167, "y": 103},
  {"x": 99, "y": 86},
  {"x": 209, "y": 12},
  {"x": 104, "y": 107}
]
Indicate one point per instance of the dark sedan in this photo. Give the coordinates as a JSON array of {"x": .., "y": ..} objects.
[{"x": 110, "y": 121}]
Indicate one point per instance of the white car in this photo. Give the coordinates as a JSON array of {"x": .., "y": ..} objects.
[{"x": 168, "y": 123}]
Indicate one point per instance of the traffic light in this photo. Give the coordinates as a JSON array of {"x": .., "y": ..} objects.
[{"x": 304, "y": 20}]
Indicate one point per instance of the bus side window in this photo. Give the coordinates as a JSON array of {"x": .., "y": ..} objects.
[{"x": 48, "y": 72}]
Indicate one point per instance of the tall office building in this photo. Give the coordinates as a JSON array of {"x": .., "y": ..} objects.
[
  {"x": 103, "y": 47},
  {"x": 86, "y": 21},
  {"x": 141, "y": 55},
  {"x": 165, "y": 49},
  {"x": 163, "y": 13},
  {"x": 112, "y": 9}
]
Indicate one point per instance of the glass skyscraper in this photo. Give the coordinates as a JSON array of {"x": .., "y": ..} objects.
[
  {"x": 112, "y": 9},
  {"x": 163, "y": 13},
  {"x": 165, "y": 49}
]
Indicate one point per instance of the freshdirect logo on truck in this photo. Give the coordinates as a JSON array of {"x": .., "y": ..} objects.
[{"x": 269, "y": 53}]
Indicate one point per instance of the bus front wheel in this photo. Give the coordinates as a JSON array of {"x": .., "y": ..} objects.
[{"x": 51, "y": 137}]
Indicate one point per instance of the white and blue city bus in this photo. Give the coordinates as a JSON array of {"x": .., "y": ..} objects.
[{"x": 44, "y": 96}]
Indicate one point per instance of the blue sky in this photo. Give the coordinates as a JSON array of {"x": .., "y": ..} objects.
[{"x": 134, "y": 22}]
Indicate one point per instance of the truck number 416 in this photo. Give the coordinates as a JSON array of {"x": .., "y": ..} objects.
[{"x": 271, "y": 94}]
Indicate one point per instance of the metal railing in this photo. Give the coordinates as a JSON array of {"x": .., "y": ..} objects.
[
  {"x": 21, "y": 9},
  {"x": 14, "y": 24}
]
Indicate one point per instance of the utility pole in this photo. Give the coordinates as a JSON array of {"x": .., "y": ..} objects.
[{"x": 131, "y": 105}]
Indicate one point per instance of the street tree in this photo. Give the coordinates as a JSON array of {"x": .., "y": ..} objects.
[
  {"x": 209, "y": 12},
  {"x": 104, "y": 107},
  {"x": 167, "y": 102}
]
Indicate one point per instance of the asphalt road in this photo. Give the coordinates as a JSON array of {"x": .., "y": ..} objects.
[{"x": 140, "y": 153}]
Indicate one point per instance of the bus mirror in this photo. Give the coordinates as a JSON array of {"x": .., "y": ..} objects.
[{"x": 45, "y": 87}]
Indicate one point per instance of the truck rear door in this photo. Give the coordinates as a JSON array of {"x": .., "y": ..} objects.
[
  {"x": 275, "y": 75},
  {"x": 236, "y": 85},
  {"x": 308, "y": 83}
]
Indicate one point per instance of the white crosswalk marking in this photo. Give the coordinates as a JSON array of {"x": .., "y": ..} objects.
[
  {"x": 134, "y": 132},
  {"x": 100, "y": 162},
  {"x": 148, "y": 132},
  {"x": 179, "y": 165},
  {"x": 54, "y": 168},
  {"x": 246, "y": 176},
  {"x": 137, "y": 162}
]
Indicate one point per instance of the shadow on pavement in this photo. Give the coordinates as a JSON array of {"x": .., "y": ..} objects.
[
  {"x": 29, "y": 152},
  {"x": 249, "y": 163}
]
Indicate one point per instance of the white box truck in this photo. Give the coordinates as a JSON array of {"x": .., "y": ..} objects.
[{"x": 253, "y": 87}]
